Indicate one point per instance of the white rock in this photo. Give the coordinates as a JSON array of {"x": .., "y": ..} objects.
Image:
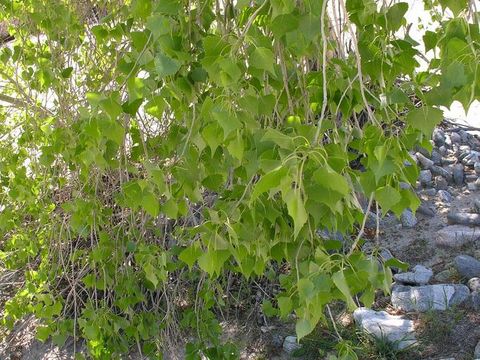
[
  {"x": 419, "y": 276},
  {"x": 428, "y": 297},
  {"x": 290, "y": 344},
  {"x": 397, "y": 330},
  {"x": 457, "y": 235}
]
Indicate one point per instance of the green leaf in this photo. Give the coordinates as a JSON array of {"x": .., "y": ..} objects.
[
  {"x": 269, "y": 181},
  {"x": 190, "y": 255},
  {"x": 263, "y": 59},
  {"x": 282, "y": 140},
  {"x": 341, "y": 283},
  {"x": 425, "y": 119},
  {"x": 303, "y": 327},
  {"x": 454, "y": 75},
  {"x": 395, "y": 15},
  {"x": 150, "y": 274},
  {"x": 285, "y": 306},
  {"x": 159, "y": 25},
  {"x": 387, "y": 197},
  {"x": 306, "y": 289},
  {"x": 456, "y": 6},
  {"x": 227, "y": 121},
  {"x": 296, "y": 209},
  {"x": 150, "y": 203},
  {"x": 332, "y": 180},
  {"x": 156, "y": 107},
  {"x": 111, "y": 107},
  {"x": 166, "y": 66},
  {"x": 283, "y": 24}
]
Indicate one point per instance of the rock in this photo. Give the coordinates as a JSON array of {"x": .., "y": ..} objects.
[
  {"x": 438, "y": 137},
  {"x": 408, "y": 218},
  {"x": 290, "y": 344},
  {"x": 326, "y": 234},
  {"x": 458, "y": 174},
  {"x": 444, "y": 276},
  {"x": 464, "y": 136},
  {"x": 277, "y": 340},
  {"x": 430, "y": 192},
  {"x": 425, "y": 162},
  {"x": 436, "y": 157},
  {"x": 404, "y": 185},
  {"x": 467, "y": 266},
  {"x": 472, "y": 186},
  {"x": 425, "y": 176},
  {"x": 443, "y": 150},
  {"x": 471, "y": 219},
  {"x": 425, "y": 210},
  {"x": 474, "y": 300},
  {"x": 476, "y": 167},
  {"x": 441, "y": 183},
  {"x": 455, "y": 138},
  {"x": 474, "y": 284},
  {"x": 440, "y": 171},
  {"x": 476, "y": 352},
  {"x": 419, "y": 276},
  {"x": 456, "y": 235},
  {"x": 470, "y": 178},
  {"x": 476, "y": 205},
  {"x": 394, "y": 328},
  {"x": 444, "y": 196},
  {"x": 428, "y": 297}
]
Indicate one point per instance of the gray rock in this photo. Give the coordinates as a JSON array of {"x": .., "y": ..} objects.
[
  {"x": 290, "y": 344},
  {"x": 444, "y": 196},
  {"x": 467, "y": 266},
  {"x": 438, "y": 137},
  {"x": 408, "y": 218},
  {"x": 455, "y": 138},
  {"x": 458, "y": 174},
  {"x": 436, "y": 157},
  {"x": 444, "y": 276},
  {"x": 428, "y": 297},
  {"x": 430, "y": 192},
  {"x": 474, "y": 300},
  {"x": 464, "y": 136},
  {"x": 443, "y": 150},
  {"x": 469, "y": 178},
  {"x": 326, "y": 234},
  {"x": 425, "y": 176},
  {"x": 425, "y": 210},
  {"x": 441, "y": 183},
  {"x": 472, "y": 186},
  {"x": 393, "y": 328},
  {"x": 404, "y": 185},
  {"x": 476, "y": 167},
  {"x": 474, "y": 284},
  {"x": 476, "y": 352},
  {"x": 471, "y": 158},
  {"x": 425, "y": 162},
  {"x": 476, "y": 205},
  {"x": 440, "y": 171},
  {"x": 419, "y": 276},
  {"x": 456, "y": 235},
  {"x": 471, "y": 219}
]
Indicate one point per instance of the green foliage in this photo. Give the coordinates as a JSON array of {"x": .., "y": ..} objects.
[{"x": 147, "y": 153}]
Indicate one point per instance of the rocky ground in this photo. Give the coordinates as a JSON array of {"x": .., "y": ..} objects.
[{"x": 433, "y": 311}]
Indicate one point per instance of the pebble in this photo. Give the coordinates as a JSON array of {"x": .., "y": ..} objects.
[
  {"x": 394, "y": 328},
  {"x": 443, "y": 150},
  {"x": 476, "y": 352},
  {"x": 438, "y": 137},
  {"x": 430, "y": 192},
  {"x": 425, "y": 210},
  {"x": 476, "y": 167},
  {"x": 425, "y": 176},
  {"x": 456, "y": 235},
  {"x": 444, "y": 276},
  {"x": 444, "y": 196},
  {"x": 467, "y": 266},
  {"x": 420, "y": 275},
  {"x": 408, "y": 218},
  {"x": 440, "y": 171},
  {"x": 428, "y": 297},
  {"x": 470, "y": 178},
  {"x": 476, "y": 205},
  {"x": 471, "y": 219},
  {"x": 455, "y": 138},
  {"x": 472, "y": 186},
  {"x": 441, "y": 183},
  {"x": 290, "y": 344},
  {"x": 474, "y": 284},
  {"x": 436, "y": 157},
  {"x": 458, "y": 174},
  {"x": 425, "y": 162}
]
